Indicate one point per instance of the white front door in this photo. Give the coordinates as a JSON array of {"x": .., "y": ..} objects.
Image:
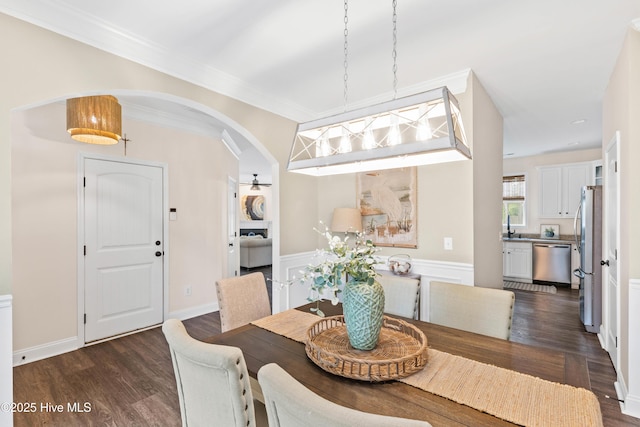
[
  {"x": 233, "y": 257},
  {"x": 611, "y": 233},
  {"x": 123, "y": 265}
]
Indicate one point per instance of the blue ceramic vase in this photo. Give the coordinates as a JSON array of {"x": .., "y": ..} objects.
[{"x": 363, "y": 307}]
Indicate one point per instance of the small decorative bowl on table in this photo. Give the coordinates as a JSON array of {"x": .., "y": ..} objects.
[
  {"x": 401, "y": 350},
  {"x": 399, "y": 264}
]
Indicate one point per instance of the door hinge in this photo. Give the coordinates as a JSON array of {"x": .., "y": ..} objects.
[
  {"x": 85, "y": 250},
  {"x": 84, "y": 181},
  {"x": 235, "y": 195},
  {"x": 615, "y": 166},
  {"x": 616, "y": 254},
  {"x": 616, "y": 342},
  {"x": 85, "y": 318}
]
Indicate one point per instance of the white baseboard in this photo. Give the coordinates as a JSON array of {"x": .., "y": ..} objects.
[
  {"x": 6, "y": 367},
  {"x": 56, "y": 348},
  {"x": 44, "y": 351},
  {"x": 189, "y": 313}
]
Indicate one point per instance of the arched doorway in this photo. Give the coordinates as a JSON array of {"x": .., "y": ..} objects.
[{"x": 55, "y": 286}]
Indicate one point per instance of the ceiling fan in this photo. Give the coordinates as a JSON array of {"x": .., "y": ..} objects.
[{"x": 255, "y": 185}]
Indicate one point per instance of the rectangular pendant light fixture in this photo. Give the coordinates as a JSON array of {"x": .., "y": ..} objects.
[{"x": 420, "y": 129}]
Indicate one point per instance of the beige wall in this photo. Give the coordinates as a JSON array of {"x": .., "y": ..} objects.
[
  {"x": 44, "y": 206},
  {"x": 41, "y": 66},
  {"x": 446, "y": 194},
  {"x": 44, "y": 66},
  {"x": 487, "y": 188},
  {"x": 529, "y": 166},
  {"x": 621, "y": 110}
]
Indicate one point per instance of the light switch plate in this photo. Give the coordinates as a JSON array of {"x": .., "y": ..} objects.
[{"x": 448, "y": 243}]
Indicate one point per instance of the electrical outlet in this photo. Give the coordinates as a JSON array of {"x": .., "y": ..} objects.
[
  {"x": 448, "y": 243},
  {"x": 187, "y": 291}
]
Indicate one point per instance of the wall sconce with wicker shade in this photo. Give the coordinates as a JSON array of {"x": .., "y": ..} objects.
[{"x": 95, "y": 119}]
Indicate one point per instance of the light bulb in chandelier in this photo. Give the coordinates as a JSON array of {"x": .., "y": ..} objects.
[
  {"x": 394, "y": 137},
  {"x": 323, "y": 148},
  {"x": 368, "y": 141},
  {"x": 345, "y": 141}
]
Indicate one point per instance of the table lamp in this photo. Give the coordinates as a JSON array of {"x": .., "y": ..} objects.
[{"x": 346, "y": 220}]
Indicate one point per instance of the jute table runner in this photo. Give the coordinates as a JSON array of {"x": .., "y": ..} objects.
[{"x": 512, "y": 396}]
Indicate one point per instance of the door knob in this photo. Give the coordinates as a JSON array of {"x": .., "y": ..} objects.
[
  {"x": 158, "y": 253},
  {"x": 605, "y": 263}
]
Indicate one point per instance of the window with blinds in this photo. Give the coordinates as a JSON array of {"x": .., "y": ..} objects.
[{"x": 513, "y": 200}]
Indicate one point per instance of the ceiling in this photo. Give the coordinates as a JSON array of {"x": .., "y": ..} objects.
[{"x": 545, "y": 63}]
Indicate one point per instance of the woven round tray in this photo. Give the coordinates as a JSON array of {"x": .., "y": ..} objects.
[{"x": 401, "y": 350}]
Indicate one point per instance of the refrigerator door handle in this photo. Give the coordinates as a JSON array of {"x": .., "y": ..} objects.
[{"x": 575, "y": 227}]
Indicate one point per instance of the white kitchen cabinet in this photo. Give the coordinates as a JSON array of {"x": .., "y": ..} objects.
[
  {"x": 517, "y": 261},
  {"x": 560, "y": 188}
]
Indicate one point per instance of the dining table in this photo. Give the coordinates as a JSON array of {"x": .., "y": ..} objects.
[{"x": 396, "y": 398}]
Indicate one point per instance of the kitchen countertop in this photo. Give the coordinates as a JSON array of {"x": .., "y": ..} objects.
[{"x": 518, "y": 237}]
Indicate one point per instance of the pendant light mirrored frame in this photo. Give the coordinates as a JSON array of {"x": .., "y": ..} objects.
[
  {"x": 420, "y": 129},
  {"x": 415, "y": 130}
]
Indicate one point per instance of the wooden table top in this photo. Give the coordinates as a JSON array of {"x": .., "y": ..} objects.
[{"x": 395, "y": 398}]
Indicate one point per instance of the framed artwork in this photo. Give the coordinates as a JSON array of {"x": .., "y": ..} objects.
[
  {"x": 549, "y": 231},
  {"x": 252, "y": 207},
  {"x": 387, "y": 201}
]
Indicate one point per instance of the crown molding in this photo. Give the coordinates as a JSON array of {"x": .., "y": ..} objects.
[
  {"x": 89, "y": 29},
  {"x": 93, "y": 31}
]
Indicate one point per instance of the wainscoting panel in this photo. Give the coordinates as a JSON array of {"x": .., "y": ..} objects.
[
  {"x": 631, "y": 393},
  {"x": 291, "y": 296},
  {"x": 6, "y": 365},
  {"x": 286, "y": 296}
]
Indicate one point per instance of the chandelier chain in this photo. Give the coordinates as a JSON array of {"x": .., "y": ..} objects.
[
  {"x": 346, "y": 51},
  {"x": 394, "y": 53}
]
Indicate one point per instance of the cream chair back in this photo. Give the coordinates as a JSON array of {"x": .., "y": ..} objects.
[
  {"x": 485, "y": 311},
  {"x": 212, "y": 380},
  {"x": 290, "y": 404},
  {"x": 242, "y": 299},
  {"x": 401, "y": 295}
]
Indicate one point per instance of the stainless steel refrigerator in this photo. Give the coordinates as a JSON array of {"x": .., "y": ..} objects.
[{"x": 588, "y": 233}]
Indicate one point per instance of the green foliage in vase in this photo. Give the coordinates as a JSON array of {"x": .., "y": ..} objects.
[{"x": 342, "y": 264}]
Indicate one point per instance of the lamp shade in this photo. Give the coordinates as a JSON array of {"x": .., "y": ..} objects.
[
  {"x": 346, "y": 220},
  {"x": 415, "y": 130},
  {"x": 94, "y": 119}
]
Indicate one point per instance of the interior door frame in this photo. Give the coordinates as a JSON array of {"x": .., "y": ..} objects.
[
  {"x": 232, "y": 211},
  {"x": 605, "y": 339},
  {"x": 82, "y": 156}
]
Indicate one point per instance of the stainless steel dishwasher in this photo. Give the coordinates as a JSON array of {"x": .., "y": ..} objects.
[{"x": 552, "y": 262}]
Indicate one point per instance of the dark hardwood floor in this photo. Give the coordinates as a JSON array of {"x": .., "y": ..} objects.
[{"x": 129, "y": 381}]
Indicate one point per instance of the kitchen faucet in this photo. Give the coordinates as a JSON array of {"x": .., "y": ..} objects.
[{"x": 509, "y": 232}]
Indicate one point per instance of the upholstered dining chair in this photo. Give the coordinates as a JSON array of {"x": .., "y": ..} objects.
[
  {"x": 242, "y": 299},
  {"x": 291, "y": 404},
  {"x": 212, "y": 380},
  {"x": 401, "y": 295},
  {"x": 486, "y": 311}
]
